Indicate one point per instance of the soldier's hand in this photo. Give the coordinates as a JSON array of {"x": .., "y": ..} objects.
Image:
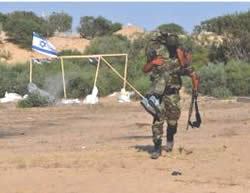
[{"x": 158, "y": 61}]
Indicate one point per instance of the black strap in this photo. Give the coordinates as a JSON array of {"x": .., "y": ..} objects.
[{"x": 198, "y": 120}]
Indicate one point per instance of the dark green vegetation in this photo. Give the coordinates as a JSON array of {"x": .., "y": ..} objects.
[
  {"x": 34, "y": 100},
  {"x": 224, "y": 69},
  {"x": 59, "y": 22},
  {"x": 236, "y": 30},
  {"x": 91, "y": 27},
  {"x": 171, "y": 28},
  {"x": 20, "y": 25}
]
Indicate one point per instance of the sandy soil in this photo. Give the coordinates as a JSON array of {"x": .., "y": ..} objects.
[
  {"x": 106, "y": 148},
  {"x": 19, "y": 55},
  {"x": 130, "y": 31}
]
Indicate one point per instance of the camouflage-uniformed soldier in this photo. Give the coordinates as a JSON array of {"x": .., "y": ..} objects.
[{"x": 166, "y": 80}]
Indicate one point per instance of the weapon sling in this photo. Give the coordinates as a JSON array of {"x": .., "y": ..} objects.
[{"x": 198, "y": 120}]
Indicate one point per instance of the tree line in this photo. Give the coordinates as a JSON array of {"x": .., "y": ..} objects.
[
  {"x": 236, "y": 31},
  {"x": 19, "y": 26}
]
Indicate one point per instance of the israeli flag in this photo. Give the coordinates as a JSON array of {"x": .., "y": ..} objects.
[{"x": 43, "y": 46}]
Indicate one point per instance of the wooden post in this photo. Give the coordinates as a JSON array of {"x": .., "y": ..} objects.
[
  {"x": 118, "y": 74},
  {"x": 125, "y": 71},
  {"x": 30, "y": 70},
  {"x": 64, "y": 87},
  {"x": 97, "y": 70}
]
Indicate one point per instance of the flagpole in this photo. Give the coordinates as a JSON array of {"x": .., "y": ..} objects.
[
  {"x": 64, "y": 87},
  {"x": 125, "y": 72},
  {"x": 97, "y": 70},
  {"x": 30, "y": 70}
]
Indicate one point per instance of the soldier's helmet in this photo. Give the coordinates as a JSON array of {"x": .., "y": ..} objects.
[
  {"x": 172, "y": 40},
  {"x": 165, "y": 38},
  {"x": 156, "y": 45}
]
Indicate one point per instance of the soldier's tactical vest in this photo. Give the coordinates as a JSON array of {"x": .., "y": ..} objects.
[{"x": 165, "y": 76}]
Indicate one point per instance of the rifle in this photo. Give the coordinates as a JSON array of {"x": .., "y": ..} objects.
[{"x": 198, "y": 121}]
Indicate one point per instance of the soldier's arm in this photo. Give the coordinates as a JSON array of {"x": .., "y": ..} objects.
[
  {"x": 157, "y": 61},
  {"x": 180, "y": 56},
  {"x": 195, "y": 81},
  {"x": 183, "y": 58},
  {"x": 188, "y": 70}
]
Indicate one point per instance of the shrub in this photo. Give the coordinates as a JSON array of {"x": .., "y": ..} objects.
[
  {"x": 3, "y": 20},
  {"x": 211, "y": 77},
  {"x": 20, "y": 25},
  {"x": 212, "y": 81},
  {"x": 238, "y": 77},
  {"x": 221, "y": 92},
  {"x": 200, "y": 58},
  {"x": 34, "y": 100},
  {"x": 91, "y": 27},
  {"x": 108, "y": 45},
  {"x": 60, "y": 22},
  {"x": 13, "y": 79},
  {"x": 142, "y": 83},
  {"x": 171, "y": 28},
  {"x": 69, "y": 52},
  {"x": 222, "y": 81}
]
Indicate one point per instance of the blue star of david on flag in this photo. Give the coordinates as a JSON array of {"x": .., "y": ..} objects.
[{"x": 42, "y": 44}]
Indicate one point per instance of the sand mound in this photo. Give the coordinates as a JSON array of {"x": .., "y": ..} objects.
[{"x": 130, "y": 31}]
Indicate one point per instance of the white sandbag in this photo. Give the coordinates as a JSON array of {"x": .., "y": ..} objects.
[
  {"x": 70, "y": 101},
  {"x": 125, "y": 96},
  {"x": 92, "y": 98},
  {"x": 10, "y": 97}
]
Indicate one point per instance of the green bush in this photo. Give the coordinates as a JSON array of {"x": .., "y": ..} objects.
[
  {"x": 91, "y": 27},
  {"x": 238, "y": 77},
  {"x": 143, "y": 84},
  {"x": 171, "y": 28},
  {"x": 200, "y": 58},
  {"x": 224, "y": 80},
  {"x": 20, "y": 25},
  {"x": 60, "y": 22},
  {"x": 34, "y": 100},
  {"x": 212, "y": 76},
  {"x": 231, "y": 23},
  {"x": 221, "y": 92},
  {"x": 69, "y": 52},
  {"x": 218, "y": 54},
  {"x": 3, "y": 20},
  {"x": 14, "y": 79},
  {"x": 213, "y": 81},
  {"x": 108, "y": 45}
]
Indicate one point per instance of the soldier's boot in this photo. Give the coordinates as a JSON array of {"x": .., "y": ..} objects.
[
  {"x": 157, "y": 150},
  {"x": 170, "y": 145},
  {"x": 171, "y": 131}
]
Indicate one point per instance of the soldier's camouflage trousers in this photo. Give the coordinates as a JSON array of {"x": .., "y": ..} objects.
[{"x": 170, "y": 112}]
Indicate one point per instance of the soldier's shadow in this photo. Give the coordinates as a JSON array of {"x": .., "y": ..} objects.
[
  {"x": 139, "y": 148},
  {"x": 10, "y": 134},
  {"x": 144, "y": 148}
]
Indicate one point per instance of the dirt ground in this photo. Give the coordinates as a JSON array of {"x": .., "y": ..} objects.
[{"x": 106, "y": 148}]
